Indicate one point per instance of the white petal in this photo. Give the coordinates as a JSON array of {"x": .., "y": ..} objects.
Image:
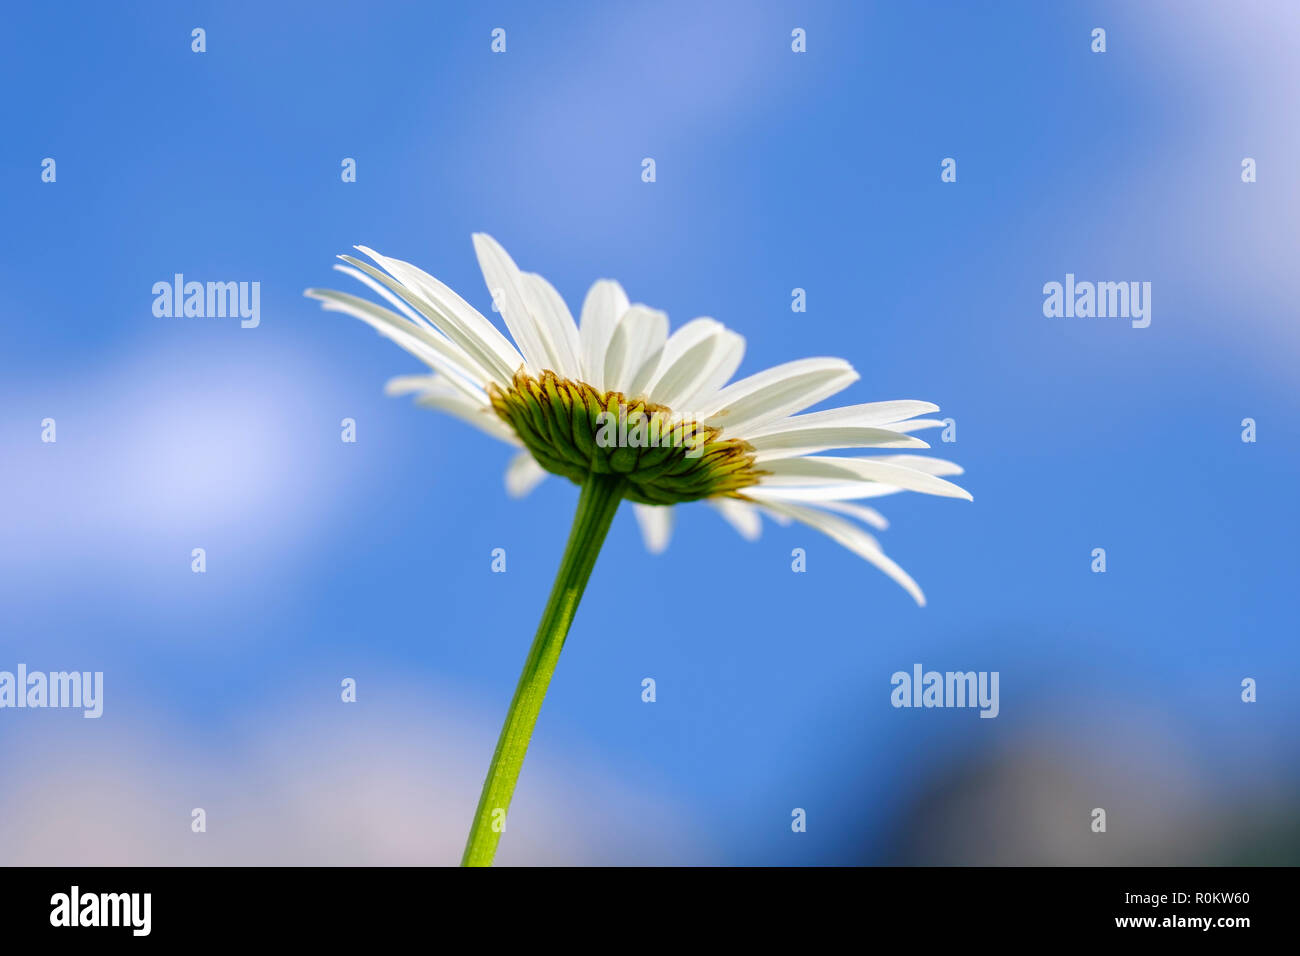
[
  {"x": 421, "y": 384},
  {"x": 533, "y": 311},
  {"x": 556, "y": 322},
  {"x": 780, "y": 517},
  {"x": 722, "y": 365},
  {"x": 827, "y": 470},
  {"x": 856, "y": 540},
  {"x": 870, "y": 413},
  {"x": 523, "y": 474},
  {"x": 636, "y": 345},
  {"x": 741, "y": 515},
  {"x": 506, "y": 286},
  {"x": 436, "y": 351},
  {"x": 805, "y": 441},
  {"x": 864, "y": 514},
  {"x": 448, "y": 312},
  {"x": 441, "y": 395},
  {"x": 656, "y": 523},
  {"x": 931, "y": 466},
  {"x": 822, "y": 491},
  {"x": 604, "y": 306},
  {"x": 777, "y": 392},
  {"x": 395, "y": 300},
  {"x": 687, "y": 356},
  {"x": 916, "y": 424},
  {"x": 400, "y": 385}
]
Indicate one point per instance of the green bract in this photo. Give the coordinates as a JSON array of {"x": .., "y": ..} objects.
[{"x": 574, "y": 430}]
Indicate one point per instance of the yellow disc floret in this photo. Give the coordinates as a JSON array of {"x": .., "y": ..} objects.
[{"x": 572, "y": 429}]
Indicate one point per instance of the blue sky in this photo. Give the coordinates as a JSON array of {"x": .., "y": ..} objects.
[{"x": 775, "y": 170}]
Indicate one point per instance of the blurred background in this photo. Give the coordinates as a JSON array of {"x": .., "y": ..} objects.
[{"x": 775, "y": 170}]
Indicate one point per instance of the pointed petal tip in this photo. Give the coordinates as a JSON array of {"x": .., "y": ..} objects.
[{"x": 405, "y": 384}]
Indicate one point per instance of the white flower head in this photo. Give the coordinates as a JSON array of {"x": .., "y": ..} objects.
[{"x": 616, "y": 393}]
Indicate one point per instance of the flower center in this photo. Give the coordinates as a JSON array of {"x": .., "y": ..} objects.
[{"x": 572, "y": 430}]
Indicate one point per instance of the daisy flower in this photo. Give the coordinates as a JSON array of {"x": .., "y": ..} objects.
[{"x": 626, "y": 410}]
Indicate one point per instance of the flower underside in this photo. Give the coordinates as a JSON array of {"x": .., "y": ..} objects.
[{"x": 573, "y": 429}]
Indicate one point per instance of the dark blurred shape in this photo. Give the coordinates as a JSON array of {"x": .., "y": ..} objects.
[{"x": 1032, "y": 805}]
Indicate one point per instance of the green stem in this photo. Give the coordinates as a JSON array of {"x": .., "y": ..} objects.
[{"x": 600, "y": 497}]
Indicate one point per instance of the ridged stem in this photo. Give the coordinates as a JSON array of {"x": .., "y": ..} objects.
[{"x": 597, "y": 504}]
